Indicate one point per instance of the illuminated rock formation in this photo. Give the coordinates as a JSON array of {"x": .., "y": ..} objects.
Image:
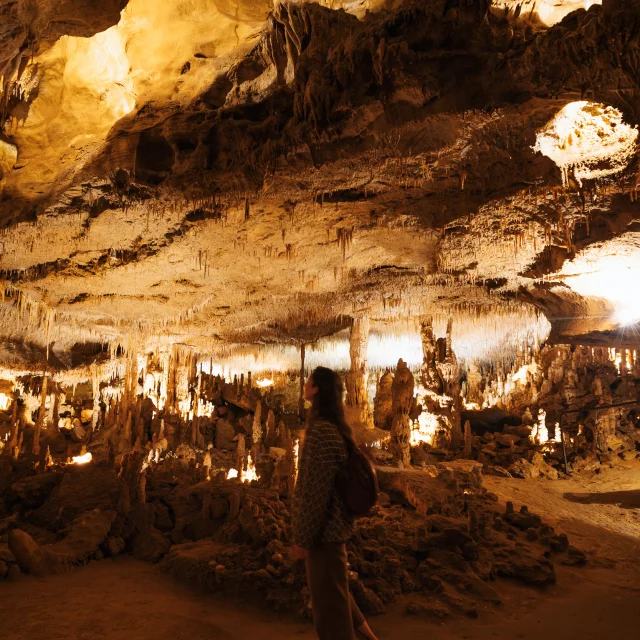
[
  {"x": 403, "y": 401},
  {"x": 357, "y": 409}
]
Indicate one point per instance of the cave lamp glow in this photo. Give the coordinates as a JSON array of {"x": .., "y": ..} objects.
[
  {"x": 549, "y": 12},
  {"x": 611, "y": 273},
  {"x": 589, "y": 140}
]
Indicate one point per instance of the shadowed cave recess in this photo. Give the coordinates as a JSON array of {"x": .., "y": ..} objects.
[{"x": 201, "y": 201}]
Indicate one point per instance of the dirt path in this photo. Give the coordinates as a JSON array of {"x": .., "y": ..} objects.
[
  {"x": 128, "y": 599},
  {"x": 593, "y": 510}
]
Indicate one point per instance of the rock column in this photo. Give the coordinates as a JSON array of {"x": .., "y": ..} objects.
[
  {"x": 402, "y": 404},
  {"x": 302, "y": 382},
  {"x": 41, "y": 414},
  {"x": 430, "y": 377},
  {"x": 358, "y": 411}
]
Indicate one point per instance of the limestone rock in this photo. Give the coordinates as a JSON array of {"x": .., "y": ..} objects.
[
  {"x": 84, "y": 537},
  {"x": 225, "y": 434},
  {"x": 368, "y": 602},
  {"x": 546, "y": 470},
  {"x": 382, "y": 402},
  {"x": 150, "y": 545},
  {"x": 536, "y": 573},
  {"x": 507, "y": 439},
  {"x": 113, "y": 546},
  {"x": 14, "y": 573},
  {"x": 82, "y": 489},
  {"x": 33, "y": 491},
  {"x": 523, "y": 469}
]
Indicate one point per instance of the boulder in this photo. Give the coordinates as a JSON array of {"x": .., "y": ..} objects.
[
  {"x": 14, "y": 573},
  {"x": 536, "y": 573},
  {"x": 82, "y": 489},
  {"x": 162, "y": 517},
  {"x": 546, "y": 470},
  {"x": 507, "y": 439},
  {"x": 150, "y": 545},
  {"x": 113, "y": 546},
  {"x": 575, "y": 557},
  {"x": 6, "y": 555},
  {"x": 225, "y": 434},
  {"x": 501, "y": 472},
  {"x": 483, "y": 590},
  {"x": 450, "y": 539},
  {"x": 368, "y": 602},
  {"x": 424, "y": 491},
  {"x": 83, "y": 538},
  {"x": 523, "y": 469},
  {"x": 491, "y": 419},
  {"x": 523, "y": 520},
  {"x": 33, "y": 491},
  {"x": 523, "y": 431}
]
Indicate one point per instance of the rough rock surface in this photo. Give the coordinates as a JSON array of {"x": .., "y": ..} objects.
[{"x": 83, "y": 538}]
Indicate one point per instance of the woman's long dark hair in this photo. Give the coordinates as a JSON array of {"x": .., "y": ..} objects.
[{"x": 327, "y": 402}]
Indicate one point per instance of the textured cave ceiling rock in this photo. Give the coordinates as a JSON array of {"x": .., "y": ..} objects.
[
  {"x": 360, "y": 8},
  {"x": 8, "y": 157},
  {"x": 277, "y": 184},
  {"x": 549, "y": 12},
  {"x": 33, "y": 26},
  {"x": 588, "y": 141},
  {"x": 161, "y": 53}
]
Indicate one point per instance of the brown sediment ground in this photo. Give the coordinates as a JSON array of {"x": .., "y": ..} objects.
[{"x": 126, "y": 598}]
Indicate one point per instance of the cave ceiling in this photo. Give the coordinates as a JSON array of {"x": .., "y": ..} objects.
[{"x": 234, "y": 171}]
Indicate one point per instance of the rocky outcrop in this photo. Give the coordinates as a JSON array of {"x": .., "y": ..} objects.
[{"x": 82, "y": 540}]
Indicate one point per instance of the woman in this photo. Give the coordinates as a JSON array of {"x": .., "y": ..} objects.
[{"x": 321, "y": 523}]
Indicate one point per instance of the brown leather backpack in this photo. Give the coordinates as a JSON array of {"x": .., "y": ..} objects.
[{"x": 357, "y": 481}]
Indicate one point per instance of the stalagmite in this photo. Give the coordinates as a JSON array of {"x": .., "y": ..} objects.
[
  {"x": 95, "y": 387},
  {"x": 383, "y": 402},
  {"x": 449, "y": 370},
  {"x": 402, "y": 394},
  {"x": 53, "y": 429},
  {"x": 467, "y": 439},
  {"x": 15, "y": 423},
  {"x": 206, "y": 464},
  {"x": 195, "y": 432},
  {"x": 270, "y": 438},
  {"x": 282, "y": 435},
  {"x": 430, "y": 378},
  {"x": 301, "y": 411},
  {"x": 126, "y": 432},
  {"x": 357, "y": 409},
  {"x": 256, "y": 433},
  {"x": 41, "y": 414},
  {"x": 241, "y": 453}
]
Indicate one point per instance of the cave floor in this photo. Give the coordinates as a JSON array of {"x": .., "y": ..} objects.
[{"x": 126, "y": 598}]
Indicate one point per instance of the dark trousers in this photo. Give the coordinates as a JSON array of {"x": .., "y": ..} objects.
[{"x": 335, "y": 613}]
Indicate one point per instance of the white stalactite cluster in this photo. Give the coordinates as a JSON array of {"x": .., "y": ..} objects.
[{"x": 588, "y": 140}]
